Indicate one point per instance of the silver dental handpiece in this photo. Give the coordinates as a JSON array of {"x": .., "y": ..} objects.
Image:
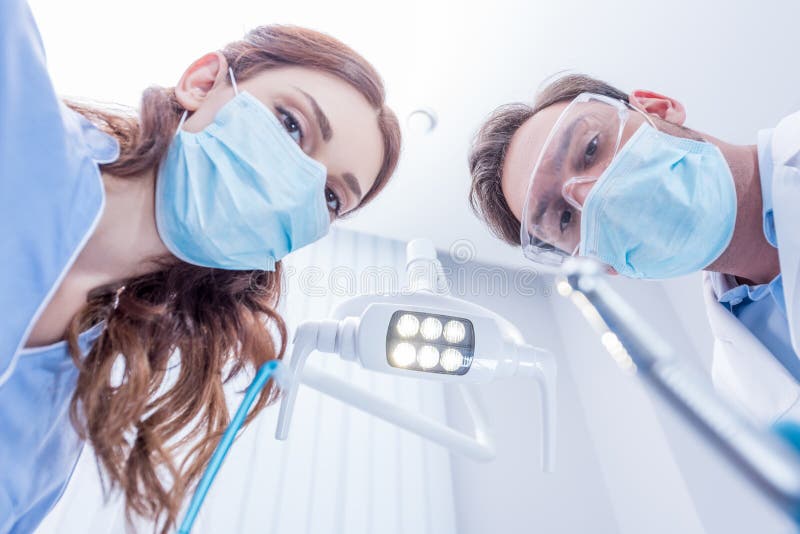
[{"x": 765, "y": 459}]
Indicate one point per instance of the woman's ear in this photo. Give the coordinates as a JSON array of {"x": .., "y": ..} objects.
[
  {"x": 200, "y": 78},
  {"x": 661, "y": 106}
]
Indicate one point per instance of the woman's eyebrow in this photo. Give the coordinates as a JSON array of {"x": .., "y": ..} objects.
[
  {"x": 322, "y": 119},
  {"x": 352, "y": 184}
]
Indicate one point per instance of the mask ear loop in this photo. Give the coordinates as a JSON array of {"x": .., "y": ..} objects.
[
  {"x": 180, "y": 124},
  {"x": 186, "y": 111},
  {"x": 233, "y": 81},
  {"x": 646, "y": 116}
]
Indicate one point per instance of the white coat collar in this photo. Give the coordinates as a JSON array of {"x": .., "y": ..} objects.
[
  {"x": 786, "y": 141},
  {"x": 785, "y": 200},
  {"x": 744, "y": 370}
]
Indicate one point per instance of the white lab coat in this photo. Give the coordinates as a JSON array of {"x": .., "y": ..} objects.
[{"x": 743, "y": 370}]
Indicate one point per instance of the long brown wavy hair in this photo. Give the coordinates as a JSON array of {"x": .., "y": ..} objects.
[{"x": 216, "y": 322}]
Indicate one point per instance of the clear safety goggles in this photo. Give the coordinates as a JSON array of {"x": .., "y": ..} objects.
[{"x": 578, "y": 150}]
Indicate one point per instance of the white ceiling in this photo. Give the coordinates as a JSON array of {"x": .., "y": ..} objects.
[{"x": 730, "y": 63}]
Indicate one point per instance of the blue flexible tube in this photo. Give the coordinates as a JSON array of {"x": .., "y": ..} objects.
[{"x": 262, "y": 376}]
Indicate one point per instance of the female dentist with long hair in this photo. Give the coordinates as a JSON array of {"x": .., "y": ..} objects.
[{"x": 128, "y": 240}]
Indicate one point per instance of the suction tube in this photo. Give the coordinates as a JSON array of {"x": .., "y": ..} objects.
[{"x": 265, "y": 372}]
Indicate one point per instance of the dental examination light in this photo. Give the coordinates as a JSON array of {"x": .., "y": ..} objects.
[
  {"x": 423, "y": 332},
  {"x": 765, "y": 459}
]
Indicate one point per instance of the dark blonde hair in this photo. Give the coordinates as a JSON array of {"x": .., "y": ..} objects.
[
  {"x": 220, "y": 322},
  {"x": 489, "y": 146}
]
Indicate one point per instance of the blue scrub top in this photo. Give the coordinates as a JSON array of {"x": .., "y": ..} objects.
[
  {"x": 51, "y": 199},
  {"x": 39, "y": 448}
]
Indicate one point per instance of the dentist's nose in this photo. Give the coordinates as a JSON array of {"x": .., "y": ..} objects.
[{"x": 577, "y": 189}]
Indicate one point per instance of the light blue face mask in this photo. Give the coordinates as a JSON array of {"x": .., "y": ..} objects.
[
  {"x": 664, "y": 207},
  {"x": 241, "y": 194}
]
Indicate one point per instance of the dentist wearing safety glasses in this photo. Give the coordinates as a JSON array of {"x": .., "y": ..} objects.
[
  {"x": 591, "y": 170},
  {"x": 141, "y": 242}
]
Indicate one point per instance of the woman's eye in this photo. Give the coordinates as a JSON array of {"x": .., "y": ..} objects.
[
  {"x": 591, "y": 150},
  {"x": 291, "y": 124},
  {"x": 566, "y": 217},
  {"x": 333, "y": 202}
]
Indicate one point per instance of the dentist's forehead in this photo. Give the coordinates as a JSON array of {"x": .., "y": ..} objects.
[{"x": 523, "y": 152}]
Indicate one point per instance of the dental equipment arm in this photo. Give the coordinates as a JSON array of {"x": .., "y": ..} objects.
[
  {"x": 481, "y": 347},
  {"x": 342, "y": 337},
  {"x": 764, "y": 458},
  {"x": 480, "y": 448}
]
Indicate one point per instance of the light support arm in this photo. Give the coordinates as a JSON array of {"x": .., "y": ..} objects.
[
  {"x": 330, "y": 336},
  {"x": 425, "y": 271},
  {"x": 540, "y": 364},
  {"x": 309, "y": 336},
  {"x": 480, "y": 447}
]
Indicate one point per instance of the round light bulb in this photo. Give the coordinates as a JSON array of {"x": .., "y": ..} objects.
[
  {"x": 451, "y": 360},
  {"x": 454, "y": 331},
  {"x": 408, "y": 325},
  {"x": 404, "y": 354},
  {"x": 428, "y": 357},
  {"x": 431, "y": 328}
]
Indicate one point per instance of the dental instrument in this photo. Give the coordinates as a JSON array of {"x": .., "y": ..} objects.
[{"x": 764, "y": 458}]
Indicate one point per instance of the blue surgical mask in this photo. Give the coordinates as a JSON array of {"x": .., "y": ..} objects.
[
  {"x": 664, "y": 207},
  {"x": 241, "y": 194}
]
